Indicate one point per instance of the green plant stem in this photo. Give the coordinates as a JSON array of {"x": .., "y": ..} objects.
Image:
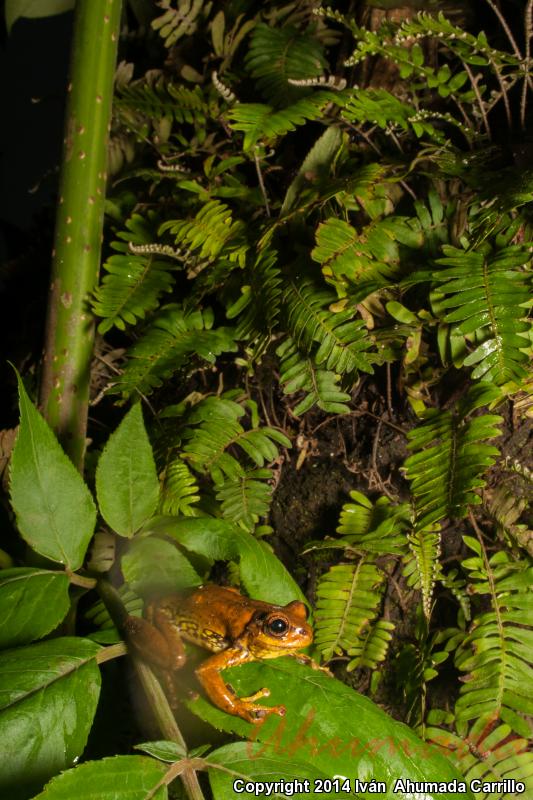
[
  {"x": 157, "y": 700},
  {"x": 69, "y": 335}
]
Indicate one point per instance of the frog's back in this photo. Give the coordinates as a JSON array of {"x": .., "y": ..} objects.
[{"x": 213, "y": 616}]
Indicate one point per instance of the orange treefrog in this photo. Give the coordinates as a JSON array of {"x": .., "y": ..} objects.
[{"x": 234, "y": 627}]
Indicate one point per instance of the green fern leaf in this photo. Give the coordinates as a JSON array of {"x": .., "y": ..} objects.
[
  {"x": 466, "y": 45},
  {"x": 262, "y": 123},
  {"x": 450, "y": 457},
  {"x": 160, "y": 99},
  {"x": 423, "y": 568},
  {"x": 246, "y": 498},
  {"x": 496, "y": 653},
  {"x": 376, "y": 528},
  {"x": 209, "y": 434},
  {"x": 211, "y": 233},
  {"x": 168, "y": 345},
  {"x": 349, "y": 257},
  {"x": 134, "y": 282},
  {"x": 179, "y": 491},
  {"x": 298, "y": 373},
  {"x": 485, "y": 753},
  {"x": 372, "y": 647},
  {"x": 488, "y": 295},
  {"x": 259, "y": 303},
  {"x": 343, "y": 341},
  {"x": 348, "y": 596},
  {"x": 382, "y": 108},
  {"x": 277, "y": 55},
  {"x": 174, "y": 23}
]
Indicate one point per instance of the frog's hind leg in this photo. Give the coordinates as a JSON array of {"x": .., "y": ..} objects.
[
  {"x": 223, "y": 696},
  {"x": 163, "y": 619},
  {"x": 147, "y": 642}
]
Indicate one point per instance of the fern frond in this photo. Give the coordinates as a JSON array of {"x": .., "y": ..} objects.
[
  {"x": 246, "y": 498},
  {"x": 262, "y": 123},
  {"x": 343, "y": 341},
  {"x": 411, "y": 60},
  {"x": 379, "y": 107},
  {"x": 350, "y": 257},
  {"x": 464, "y": 44},
  {"x": 496, "y": 653},
  {"x": 260, "y": 301},
  {"x": 177, "y": 22},
  {"x": 490, "y": 755},
  {"x": 172, "y": 339},
  {"x": 179, "y": 490},
  {"x": 488, "y": 295},
  {"x": 298, "y": 373},
  {"x": 160, "y": 99},
  {"x": 278, "y": 54},
  {"x": 209, "y": 435},
  {"x": 211, "y": 233},
  {"x": 376, "y": 528},
  {"x": 134, "y": 281},
  {"x": 348, "y": 596},
  {"x": 450, "y": 457},
  {"x": 423, "y": 568},
  {"x": 372, "y": 646}
]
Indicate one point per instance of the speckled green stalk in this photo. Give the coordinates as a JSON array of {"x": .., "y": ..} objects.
[{"x": 76, "y": 256}]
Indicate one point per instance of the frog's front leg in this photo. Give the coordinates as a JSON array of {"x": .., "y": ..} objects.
[
  {"x": 223, "y": 696},
  {"x": 302, "y": 658}
]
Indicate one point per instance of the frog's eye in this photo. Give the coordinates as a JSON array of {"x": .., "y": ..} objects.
[{"x": 278, "y": 626}]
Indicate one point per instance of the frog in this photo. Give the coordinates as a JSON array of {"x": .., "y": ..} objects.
[{"x": 235, "y": 628}]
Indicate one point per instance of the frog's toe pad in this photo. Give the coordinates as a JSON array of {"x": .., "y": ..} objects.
[{"x": 257, "y": 696}]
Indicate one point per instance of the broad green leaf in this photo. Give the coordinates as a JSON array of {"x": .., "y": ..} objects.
[
  {"x": 48, "y": 697},
  {"x": 154, "y": 566},
  {"x": 247, "y": 761},
  {"x": 217, "y": 33},
  {"x": 330, "y": 727},
  {"x": 262, "y": 573},
  {"x": 54, "y": 508},
  {"x": 316, "y": 163},
  {"x": 32, "y": 603},
  {"x": 126, "y": 478},
  {"x": 163, "y": 750},
  {"x": 35, "y": 8},
  {"x": 401, "y": 313},
  {"x": 118, "y": 778}
]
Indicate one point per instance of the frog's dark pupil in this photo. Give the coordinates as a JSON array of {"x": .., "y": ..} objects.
[{"x": 278, "y": 626}]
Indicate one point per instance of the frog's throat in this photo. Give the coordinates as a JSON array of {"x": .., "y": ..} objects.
[{"x": 262, "y": 653}]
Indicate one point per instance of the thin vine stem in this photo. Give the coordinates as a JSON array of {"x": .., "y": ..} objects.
[
  {"x": 479, "y": 99},
  {"x": 528, "y": 33},
  {"x": 506, "y": 28}
]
